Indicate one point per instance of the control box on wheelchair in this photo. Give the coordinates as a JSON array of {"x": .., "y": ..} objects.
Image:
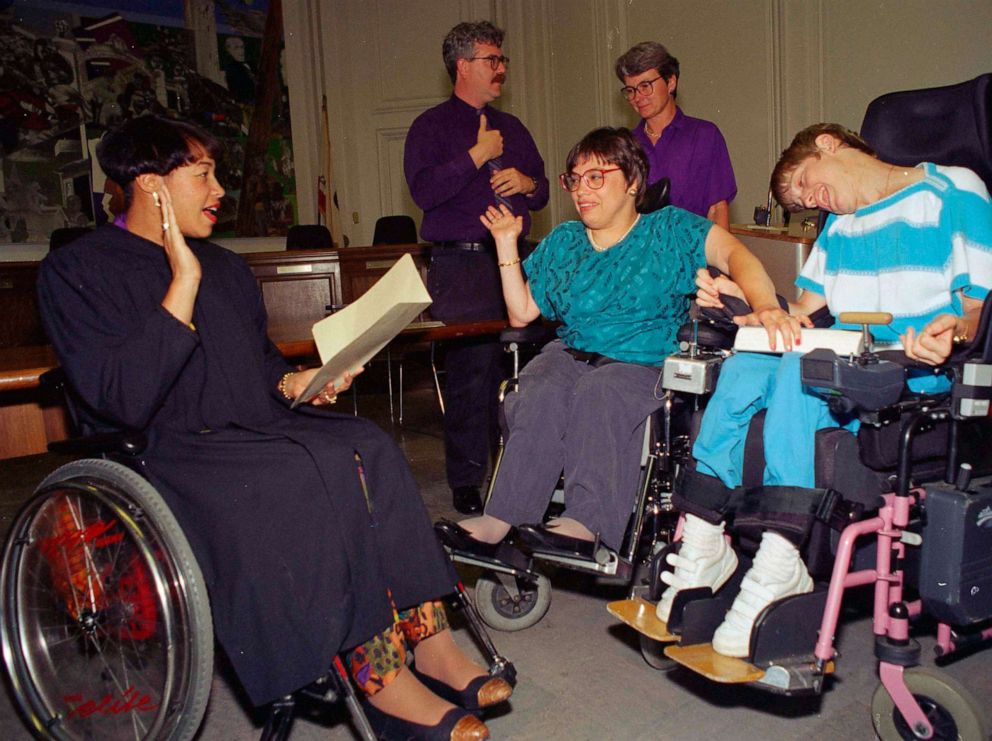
[{"x": 921, "y": 538}]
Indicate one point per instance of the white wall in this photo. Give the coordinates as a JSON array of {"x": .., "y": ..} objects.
[{"x": 761, "y": 69}]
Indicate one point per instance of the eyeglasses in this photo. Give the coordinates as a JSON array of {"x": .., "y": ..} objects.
[
  {"x": 593, "y": 179},
  {"x": 644, "y": 87},
  {"x": 494, "y": 60}
]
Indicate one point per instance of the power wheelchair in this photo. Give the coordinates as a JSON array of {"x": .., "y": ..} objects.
[
  {"x": 107, "y": 630},
  {"x": 514, "y": 592},
  {"x": 912, "y": 516}
]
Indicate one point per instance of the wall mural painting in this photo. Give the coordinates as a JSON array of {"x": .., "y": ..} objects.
[{"x": 71, "y": 70}]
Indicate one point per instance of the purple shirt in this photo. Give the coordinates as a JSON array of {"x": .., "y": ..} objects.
[
  {"x": 693, "y": 155},
  {"x": 447, "y": 185}
]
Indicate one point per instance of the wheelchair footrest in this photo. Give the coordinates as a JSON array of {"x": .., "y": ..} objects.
[
  {"x": 506, "y": 559},
  {"x": 640, "y": 615},
  {"x": 702, "y": 659},
  {"x": 800, "y": 678}
]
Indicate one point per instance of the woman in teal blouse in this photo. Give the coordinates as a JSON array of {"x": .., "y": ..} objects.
[{"x": 619, "y": 282}]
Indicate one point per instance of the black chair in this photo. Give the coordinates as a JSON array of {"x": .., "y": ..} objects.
[
  {"x": 309, "y": 237},
  {"x": 950, "y": 125},
  {"x": 402, "y": 229},
  {"x": 655, "y": 197},
  {"x": 399, "y": 229},
  {"x": 62, "y": 237}
]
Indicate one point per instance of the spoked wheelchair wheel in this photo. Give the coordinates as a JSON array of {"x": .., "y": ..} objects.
[
  {"x": 106, "y": 623},
  {"x": 501, "y": 610},
  {"x": 950, "y": 708}
]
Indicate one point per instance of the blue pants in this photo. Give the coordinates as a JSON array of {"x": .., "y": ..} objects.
[{"x": 750, "y": 382}]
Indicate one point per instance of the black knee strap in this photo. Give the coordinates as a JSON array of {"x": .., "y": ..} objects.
[
  {"x": 705, "y": 496},
  {"x": 792, "y": 510}
]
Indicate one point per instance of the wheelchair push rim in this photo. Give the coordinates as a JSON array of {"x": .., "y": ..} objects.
[{"x": 106, "y": 626}]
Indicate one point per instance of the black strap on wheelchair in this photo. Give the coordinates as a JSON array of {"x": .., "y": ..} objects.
[
  {"x": 704, "y": 496},
  {"x": 595, "y": 359},
  {"x": 826, "y": 505}
]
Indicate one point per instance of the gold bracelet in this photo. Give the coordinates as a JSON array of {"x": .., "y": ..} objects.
[
  {"x": 508, "y": 264},
  {"x": 282, "y": 386}
]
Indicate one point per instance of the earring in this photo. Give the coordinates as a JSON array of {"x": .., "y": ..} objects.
[{"x": 632, "y": 192}]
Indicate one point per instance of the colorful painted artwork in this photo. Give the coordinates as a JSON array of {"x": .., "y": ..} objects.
[{"x": 71, "y": 70}]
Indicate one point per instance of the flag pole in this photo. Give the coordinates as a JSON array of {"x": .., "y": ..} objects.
[{"x": 326, "y": 205}]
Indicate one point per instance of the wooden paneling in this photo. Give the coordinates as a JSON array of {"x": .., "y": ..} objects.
[
  {"x": 19, "y": 320},
  {"x": 298, "y": 285}
]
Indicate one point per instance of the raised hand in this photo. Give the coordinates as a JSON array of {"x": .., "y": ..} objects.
[
  {"x": 181, "y": 258},
  {"x": 503, "y": 225}
]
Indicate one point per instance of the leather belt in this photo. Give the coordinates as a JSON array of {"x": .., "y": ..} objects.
[{"x": 466, "y": 246}]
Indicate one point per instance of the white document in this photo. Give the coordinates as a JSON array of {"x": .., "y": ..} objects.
[
  {"x": 347, "y": 339},
  {"x": 841, "y": 341}
]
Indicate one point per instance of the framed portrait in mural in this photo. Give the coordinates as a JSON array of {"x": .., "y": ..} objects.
[{"x": 71, "y": 70}]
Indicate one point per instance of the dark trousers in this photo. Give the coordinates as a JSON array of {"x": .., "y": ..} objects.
[{"x": 465, "y": 286}]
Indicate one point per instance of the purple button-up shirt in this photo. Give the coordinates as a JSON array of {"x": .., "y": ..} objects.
[
  {"x": 447, "y": 185},
  {"x": 693, "y": 155}
]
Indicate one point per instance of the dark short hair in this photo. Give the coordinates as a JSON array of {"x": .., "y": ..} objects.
[
  {"x": 618, "y": 147},
  {"x": 803, "y": 147},
  {"x": 645, "y": 56},
  {"x": 461, "y": 40},
  {"x": 152, "y": 144}
]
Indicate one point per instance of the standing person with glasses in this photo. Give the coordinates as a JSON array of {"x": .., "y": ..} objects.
[
  {"x": 461, "y": 157},
  {"x": 689, "y": 151},
  {"x": 619, "y": 282}
]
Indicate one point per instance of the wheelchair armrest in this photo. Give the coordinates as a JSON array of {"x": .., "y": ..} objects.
[
  {"x": 533, "y": 334},
  {"x": 105, "y": 443},
  {"x": 123, "y": 443}
]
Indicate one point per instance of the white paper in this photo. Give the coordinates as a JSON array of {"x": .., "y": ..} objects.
[
  {"x": 347, "y": 339},
  {"x": 841, "y": 341}
]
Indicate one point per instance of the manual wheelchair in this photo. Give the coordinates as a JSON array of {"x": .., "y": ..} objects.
[
  {"x": 911, "y": 516},
  {"x": 106, "y": 629}
]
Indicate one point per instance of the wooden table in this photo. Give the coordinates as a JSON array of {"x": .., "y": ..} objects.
[{"x": 295, "y": 341}]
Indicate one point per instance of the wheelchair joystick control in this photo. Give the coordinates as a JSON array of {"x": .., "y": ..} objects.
[{"x": 963, "y": 480}]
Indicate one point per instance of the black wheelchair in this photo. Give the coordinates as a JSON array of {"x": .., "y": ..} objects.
[
  {"x": 909, "y": 513},
  {"x": 106, "y": 624},
  {"x": 514, "y": 591}
]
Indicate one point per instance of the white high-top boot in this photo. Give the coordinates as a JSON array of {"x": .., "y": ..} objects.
[
  {"x": 777, "y": 572},
  {"x": 704, "y": 560}
]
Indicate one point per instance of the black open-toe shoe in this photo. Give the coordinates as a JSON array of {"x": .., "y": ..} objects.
[
  {"x": 542, "y": 538},
  {"x": 457, "y": 724},
  {"x": 458, "y": 538},
  {"x": 482, "y": 692}
]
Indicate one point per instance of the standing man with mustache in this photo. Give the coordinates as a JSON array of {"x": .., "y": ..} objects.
[{"x": 461, "y": 157}]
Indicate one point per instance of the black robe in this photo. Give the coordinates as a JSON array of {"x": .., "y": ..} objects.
[{"x": 297, "y": 563}]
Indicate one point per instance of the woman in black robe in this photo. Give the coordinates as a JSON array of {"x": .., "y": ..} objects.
[{"x": 160, "y": 331}]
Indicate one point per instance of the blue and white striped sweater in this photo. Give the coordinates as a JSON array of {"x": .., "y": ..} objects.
[{"x": 908, "y": 254}]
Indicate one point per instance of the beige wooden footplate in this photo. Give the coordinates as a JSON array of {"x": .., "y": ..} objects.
[{"x": 640, "y": 615}]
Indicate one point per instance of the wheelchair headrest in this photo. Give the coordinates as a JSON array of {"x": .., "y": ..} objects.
[{"x": 949, "y": 125}]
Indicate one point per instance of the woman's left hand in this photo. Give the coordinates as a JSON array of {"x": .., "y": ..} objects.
[
  {"x": 502, "y": 224},
  {"x": 776, "y": 322},
  {"x": 932, "y": 344}
]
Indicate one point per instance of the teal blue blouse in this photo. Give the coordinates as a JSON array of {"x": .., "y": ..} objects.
[{"x": 626, "y": 302}]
